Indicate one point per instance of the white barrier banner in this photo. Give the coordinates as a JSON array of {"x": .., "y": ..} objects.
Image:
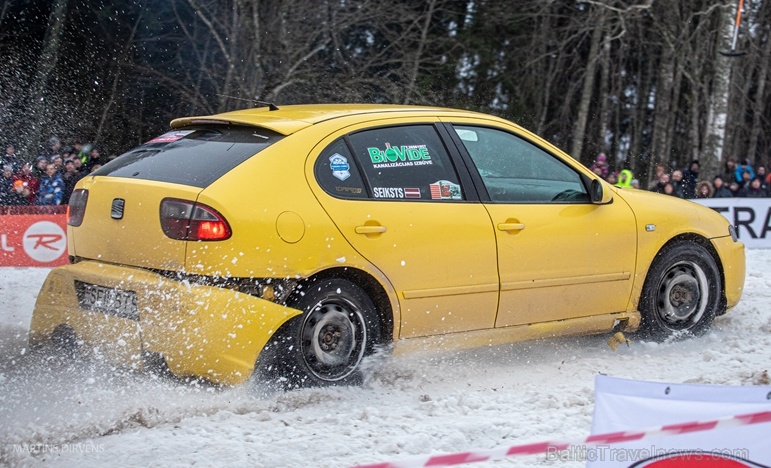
[
  {"x": 750, "y": 216},
  {"x": 621, "y": 406}
]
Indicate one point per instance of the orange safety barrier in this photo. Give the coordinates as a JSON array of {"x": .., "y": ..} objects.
[{"x": 33, "y": 236}]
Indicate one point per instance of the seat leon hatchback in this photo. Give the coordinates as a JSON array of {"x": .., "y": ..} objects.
[{"x": 299, "y": 240}]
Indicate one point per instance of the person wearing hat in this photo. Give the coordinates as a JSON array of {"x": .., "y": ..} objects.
[
  {"x": 10, "y": 157},
  {"x": 742, "y": 168}
]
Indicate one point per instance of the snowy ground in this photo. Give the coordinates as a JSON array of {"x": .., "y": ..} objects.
[{"x": 88, "y": 414}]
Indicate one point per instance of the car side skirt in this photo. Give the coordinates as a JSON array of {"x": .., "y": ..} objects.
[{"x": 620, "y": 321}]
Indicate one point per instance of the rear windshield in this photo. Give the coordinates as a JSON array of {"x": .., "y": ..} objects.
[{"x": 191, "y": 156}]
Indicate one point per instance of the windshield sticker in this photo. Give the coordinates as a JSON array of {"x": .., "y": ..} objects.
[
  {"x": 169, "y": 137},
  {"x": 412, "y": 192},
  {"x": 340, "y": 166},
  {"x": 445, "y": 190},
  {"x": 388, "y": 192},
  {"x": 399, "y": 156}
]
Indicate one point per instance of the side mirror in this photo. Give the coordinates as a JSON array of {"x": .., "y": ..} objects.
[{"x": 597, "y": 193}]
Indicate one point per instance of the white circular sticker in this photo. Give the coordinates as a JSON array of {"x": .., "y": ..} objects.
[{"x": 44, "y": 241}]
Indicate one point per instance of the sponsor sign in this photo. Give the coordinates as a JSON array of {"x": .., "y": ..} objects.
[
  {"x": 33, "y": 240},
  {"x": 750, "y": 216},
  {"x": 621, "y": 406}
]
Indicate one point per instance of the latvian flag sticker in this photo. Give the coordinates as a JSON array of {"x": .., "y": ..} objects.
[{"x": 411, "y": 192}]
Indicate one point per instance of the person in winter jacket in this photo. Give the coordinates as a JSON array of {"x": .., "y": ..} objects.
[
  {"x": 755, "y": 190},
  {"x": 720, "y": 190},
  {"x": 51, "y": 191},
  {"x": 26, "y": 184},
  {"x": 741, "y": 169},
  {"x": 625, "y": 178},
  {"x": 600, "y": 166},
  {"x": 690, "y": 179}
]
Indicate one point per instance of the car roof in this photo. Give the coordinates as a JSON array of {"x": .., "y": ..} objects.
[{"x": 292, "y": 118}]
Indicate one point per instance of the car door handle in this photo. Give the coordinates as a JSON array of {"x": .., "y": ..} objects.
[
  {"x": 370, "y": 229},
  {"x": 511, "y": 227}
]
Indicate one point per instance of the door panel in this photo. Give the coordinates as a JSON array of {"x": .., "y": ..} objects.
[
  {"x": 559, "y": 255},
  {"x": 415, "y": 224}
]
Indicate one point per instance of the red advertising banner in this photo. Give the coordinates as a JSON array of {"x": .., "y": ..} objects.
[{"x": 33, "y": 240}]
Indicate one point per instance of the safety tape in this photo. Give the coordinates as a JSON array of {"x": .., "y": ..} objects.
[{"x": 610, "y": 438}]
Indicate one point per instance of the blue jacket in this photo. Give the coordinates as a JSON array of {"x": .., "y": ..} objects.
[{"x": 51, "y": 191}]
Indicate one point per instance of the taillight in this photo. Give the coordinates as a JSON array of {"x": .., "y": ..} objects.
[
  {"x": 186, "y": 220},
  {"x": 76, "y": 209}
]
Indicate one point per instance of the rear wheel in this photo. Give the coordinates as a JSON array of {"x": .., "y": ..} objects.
[
  {"x": 681, "y": 294},
  {"x": 325, "y": 345}
]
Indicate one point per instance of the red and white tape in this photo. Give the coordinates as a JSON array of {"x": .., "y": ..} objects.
[{"x": 458, "y": 458}]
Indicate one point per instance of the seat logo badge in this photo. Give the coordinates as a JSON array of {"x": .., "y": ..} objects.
[{"x": 117, "y": 208}]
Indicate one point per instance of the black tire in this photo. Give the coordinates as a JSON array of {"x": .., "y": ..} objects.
[
  {"x": 325, "y": 345},
  {"x": 682, "y": 293}
]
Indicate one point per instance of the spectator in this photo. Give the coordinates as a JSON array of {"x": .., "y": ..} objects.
[
  {"x": 625, "y": 179},
  {"x": 704, "y": 189},
  {"x": 6, "y": 186},
  {"x": 669, "y": 189},
  {"x": 635, "y": 184},
  {"x": 58, "y": 161},
  {"x": 754, "y": 189},
  {"x": 658, "y": 172},
  {"x": 744, "y": 168},
  {"x": 663, "y": 180},
  {"x": 729, "y": 170},
  {"x": 54, "y": 147},
  {"x": 677, "y": 182},
  {"x": 720, "y": 188},
  {"x": 744, "y": 182},
  {"x": 51, "y": 191},
  {"x": 612, "y": 178},
  {"x": 10, "y": 157},
  {"x": 94, "y": 158},
  {"x": 79, "y": 151},
  {"x": 736, "y": 191},
  {"x": 71, "y": 176},
  {"x": 762, "y": 173},
  {"x": 39, "y": 171},
  {"x": 690, "y": 178},
  {"x": 600, "y": 166},
  {"x": 26, "y": 184}
]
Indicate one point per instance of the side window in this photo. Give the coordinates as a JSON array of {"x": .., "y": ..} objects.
[
  {"x": 337, "y": 174},
  {"x": 406, "y": 162},
  {"x": 517, "y": 171}
]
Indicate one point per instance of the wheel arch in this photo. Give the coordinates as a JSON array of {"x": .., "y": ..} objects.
[{"x": 371, "y": 286}]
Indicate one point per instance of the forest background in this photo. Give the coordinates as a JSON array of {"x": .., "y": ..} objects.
[{"x": 644, "y": 81}]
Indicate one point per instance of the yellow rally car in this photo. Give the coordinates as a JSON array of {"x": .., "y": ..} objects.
[{"x": 298, "y": 240}]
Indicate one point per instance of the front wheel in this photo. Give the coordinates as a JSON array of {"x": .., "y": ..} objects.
[
  {"x": 325, "y": 345},
  {"x": 682, "y": 292}
]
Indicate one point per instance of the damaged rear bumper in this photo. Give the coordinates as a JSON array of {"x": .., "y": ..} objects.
[{"x": 199, "y": 330}]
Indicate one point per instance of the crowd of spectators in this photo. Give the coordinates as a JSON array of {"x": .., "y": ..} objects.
[
  {"x": 50, "y": 178},
  {"x": 736, "y": 179}
]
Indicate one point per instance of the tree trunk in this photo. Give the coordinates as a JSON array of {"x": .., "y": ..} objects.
[
  {"x": 586, "y": 94},
  {"x": 39, "y": 111},
  {"x": 759, "y": 103},
  {"x": 419, "y": 53},
  {"x": 717, "y": 114}
]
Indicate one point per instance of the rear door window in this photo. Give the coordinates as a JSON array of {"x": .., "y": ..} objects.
[
  {"x": 406, "y": 162},
  {"x": 191, "y": 156},
  {"x": 337, "y": 173}
]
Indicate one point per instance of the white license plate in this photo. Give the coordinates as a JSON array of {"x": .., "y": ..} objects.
[{"x": 110, "y": 301}]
